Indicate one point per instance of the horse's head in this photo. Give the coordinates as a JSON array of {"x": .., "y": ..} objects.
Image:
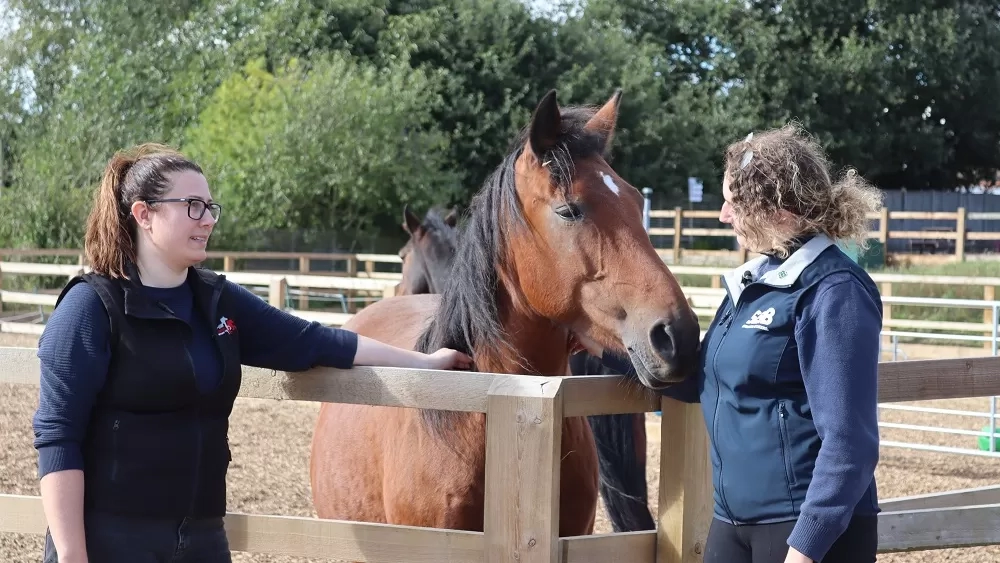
[
  {"x": 585, "y": 261},
  {"x": 428, "y": 255}
]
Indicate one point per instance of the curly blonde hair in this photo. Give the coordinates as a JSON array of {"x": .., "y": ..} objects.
[{"x": 786, "y": 169}]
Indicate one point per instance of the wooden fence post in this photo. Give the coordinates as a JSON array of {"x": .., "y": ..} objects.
[
  {"x": 960, "y": 231},
  {"x": 883, "y": 234},
  {"x": 276, "y": 292},
  {"x": 678, "y": 219},
  {"x": 685, "y": 505},
  {"x": 989, "y": 294},
  {"x": 523, "y": 442},
  {"x": 304, "y": 266}
]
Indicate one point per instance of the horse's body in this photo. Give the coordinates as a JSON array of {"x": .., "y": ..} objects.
[
  {"x": 427, "y": 260},
  {"x": 555, "y": 248}
]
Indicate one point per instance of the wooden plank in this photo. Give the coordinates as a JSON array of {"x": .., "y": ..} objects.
[
  {"x": 900, "y": 381},
  {"x": 394, "y": 387},
  {"x": 936, "y": 528},
  {"x": 310, "y": 280},
  {"x": 25, "y": 298},
  {"x": 31, "y": 268},
  {"x": 21, "y": 328},
  {"x": 661, "y": 231},
  {"x": 586, "y": 395},
  {"x": 22, "y": 514},
  {"x": 946, "y": 499},
  {"x": 979, "y": 235},
  {"x": 623, "y": 547},
  {"x": 523, "y": 445},
  {"x": 300, "y": 537},
  {"x": 923, "y": 235},
  {"x": 351, "y": 541},
  {"x": 917, "y": 380},
  {"x": 931, "y": 215},
  {"x": 699, "y": 232},
  {"x": 685, "y": 504}
]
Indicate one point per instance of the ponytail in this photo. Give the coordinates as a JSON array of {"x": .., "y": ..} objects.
[
  {"x": 109, "y": 242},
  {"x": 129, "y": 176}
]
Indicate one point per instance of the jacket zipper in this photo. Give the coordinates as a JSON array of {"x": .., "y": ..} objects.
[
  {"x": 783, "y": 436},
  {"x": 114, "y": 450},
  {"x": 728, "y": 320}
]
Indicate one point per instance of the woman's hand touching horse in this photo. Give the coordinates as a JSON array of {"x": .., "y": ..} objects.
[
  {"x": 446, "y": 358},
  {"x": 374, "y": 353}
]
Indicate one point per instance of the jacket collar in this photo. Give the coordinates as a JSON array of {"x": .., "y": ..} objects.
[
  {"x": 784, "y": 274},
  {"x": 205, "y": 284}
]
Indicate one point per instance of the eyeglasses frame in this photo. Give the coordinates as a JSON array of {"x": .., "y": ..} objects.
[{"x": 188, "y": 201}]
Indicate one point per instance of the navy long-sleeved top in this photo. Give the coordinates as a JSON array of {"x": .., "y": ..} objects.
[{"x": 75, "y": 354}]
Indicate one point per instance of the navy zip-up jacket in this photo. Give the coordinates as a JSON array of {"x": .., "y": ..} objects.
[{"x": 788, "y": 388}]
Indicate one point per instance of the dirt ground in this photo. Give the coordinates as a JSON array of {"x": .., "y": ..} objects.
[{"x": 269, "y": 474}]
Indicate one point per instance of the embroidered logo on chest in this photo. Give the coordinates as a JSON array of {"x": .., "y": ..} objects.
[
  {"x": 760, "y": 319},
  {"x": 226, "y": 326}
]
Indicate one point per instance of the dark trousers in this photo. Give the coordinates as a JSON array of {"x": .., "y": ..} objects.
[
  {"x": 767, "y": 543},
  {"x": 122, "y": 539}
]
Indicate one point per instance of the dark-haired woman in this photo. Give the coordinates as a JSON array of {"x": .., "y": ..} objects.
[{"x": 140, "y": 367}]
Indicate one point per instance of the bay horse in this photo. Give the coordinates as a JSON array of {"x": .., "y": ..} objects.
[
  {"x": 554, "y": 250},
  {"x": 427, "y": 259},
  {"x": 428, "y": 254}
]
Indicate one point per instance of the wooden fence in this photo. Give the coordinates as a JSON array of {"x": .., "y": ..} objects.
[
  {"x": 522, "y": 468},
  {"x": 924, "y": 246},
  {"x": 704, "y": 299}
]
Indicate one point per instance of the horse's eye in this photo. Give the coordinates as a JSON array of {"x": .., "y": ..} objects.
[{"x": 569, "y": 212}]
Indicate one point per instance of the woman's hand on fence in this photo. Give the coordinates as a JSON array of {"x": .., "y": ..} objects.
[{"x": 447, "y": 359}]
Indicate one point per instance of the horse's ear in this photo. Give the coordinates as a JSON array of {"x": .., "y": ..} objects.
[
  {"x": 545, "y": 125},
  {"x": 451, "y": 219},
  {"x": 606, "y": 118},
  {"x": 410, "y": 221}
]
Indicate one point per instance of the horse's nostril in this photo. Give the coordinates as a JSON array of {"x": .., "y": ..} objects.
[{"x": 662, "y": 340}]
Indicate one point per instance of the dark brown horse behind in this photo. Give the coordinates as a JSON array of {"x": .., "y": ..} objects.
[
  {"x": 554, "y": 251},
  {"x": 620, "y": 438}
]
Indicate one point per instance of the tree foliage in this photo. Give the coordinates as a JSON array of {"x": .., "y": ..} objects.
[{"x": 324, "y": 117}]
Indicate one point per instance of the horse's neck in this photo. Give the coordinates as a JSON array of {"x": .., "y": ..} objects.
[{"x": 542, "y": 347}]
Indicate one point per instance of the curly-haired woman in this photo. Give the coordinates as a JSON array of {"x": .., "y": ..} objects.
[{"x": 790, "y": 363}]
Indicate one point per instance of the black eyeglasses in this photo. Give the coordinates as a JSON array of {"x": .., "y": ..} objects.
[{"x": 196, "y": 207}]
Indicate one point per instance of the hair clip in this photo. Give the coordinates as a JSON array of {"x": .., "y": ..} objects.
[{"x": 747, "y": 156}]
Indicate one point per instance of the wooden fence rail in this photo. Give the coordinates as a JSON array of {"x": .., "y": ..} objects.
[
  {"x": 924, "y": 245},
  {"x": 705, "y": 300},
  {"x": 524, "y": 432}
]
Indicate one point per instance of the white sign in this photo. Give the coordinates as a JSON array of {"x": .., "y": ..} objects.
[{"x": 695, "y": 190}]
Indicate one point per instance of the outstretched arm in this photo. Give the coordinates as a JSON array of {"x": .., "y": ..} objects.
[{"x": 274, "y": 339}]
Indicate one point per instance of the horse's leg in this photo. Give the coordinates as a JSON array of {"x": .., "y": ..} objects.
[{"x": 578, "y": 479}]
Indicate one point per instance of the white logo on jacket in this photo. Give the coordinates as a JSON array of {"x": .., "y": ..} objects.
[{"x": 760, "y": 319}]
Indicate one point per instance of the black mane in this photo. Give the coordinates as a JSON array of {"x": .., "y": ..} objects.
[{"x": 468, "y": 315}]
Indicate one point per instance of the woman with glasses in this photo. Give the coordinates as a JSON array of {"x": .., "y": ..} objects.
[
  {"x": 790, "y": 363},
  {"x": 141, "y": 365}
]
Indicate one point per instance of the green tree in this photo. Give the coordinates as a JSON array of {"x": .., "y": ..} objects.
[{"x": 338, "y": 148}]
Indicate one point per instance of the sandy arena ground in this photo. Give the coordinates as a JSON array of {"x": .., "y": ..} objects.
[{"x": 269, "y": 474}]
